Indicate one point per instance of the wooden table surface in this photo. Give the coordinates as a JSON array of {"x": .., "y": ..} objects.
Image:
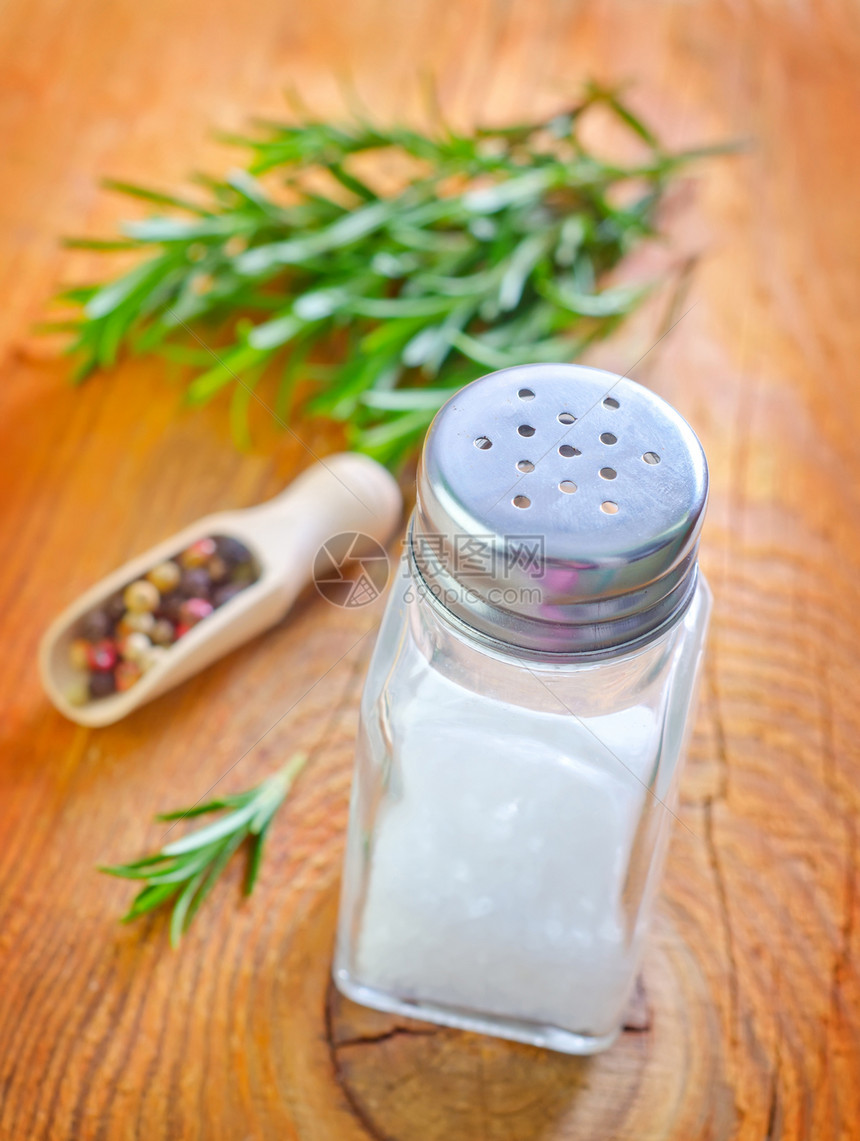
[{"x": 751, "y": 981}]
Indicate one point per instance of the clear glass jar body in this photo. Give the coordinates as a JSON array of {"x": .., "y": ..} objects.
[{"x": 508, "y": 825}]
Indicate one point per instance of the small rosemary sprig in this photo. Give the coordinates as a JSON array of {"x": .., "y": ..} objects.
[
  {"x": 183, "y": 873},
  {"x": 367, "y": 296}
]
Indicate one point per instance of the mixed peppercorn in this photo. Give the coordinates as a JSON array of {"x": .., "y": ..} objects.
[{"x": 122, "y": 639}]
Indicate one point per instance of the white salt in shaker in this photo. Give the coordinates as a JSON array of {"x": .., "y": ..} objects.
[{"x": 526, "y": 709}]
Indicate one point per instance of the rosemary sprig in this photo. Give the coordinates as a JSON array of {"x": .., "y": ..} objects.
[
  {"x": 368, "y": 304},
  {"x": 183, "y": 872}
]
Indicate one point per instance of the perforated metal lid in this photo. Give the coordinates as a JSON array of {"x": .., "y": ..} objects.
[{"x": 559, "y": 509}]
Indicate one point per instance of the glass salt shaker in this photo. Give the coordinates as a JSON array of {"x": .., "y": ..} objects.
[{"x": 525, "y": 713}]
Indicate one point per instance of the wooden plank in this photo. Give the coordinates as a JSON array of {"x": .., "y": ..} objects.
[{"x": 752, "y": 976}]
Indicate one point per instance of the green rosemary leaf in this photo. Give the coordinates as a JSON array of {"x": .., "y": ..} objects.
[
  {"x": 436, "y": 355},
  {"x": 379, "y": 441},
  {"x": 412, "y": 237},
  {"x": 162, "y": 229},
  {"x": 380, "y": 375},
  {"x": 231, "y": 365},
  {"x": 390, "y": 336},
  {"x": 180, "y": 908},
  {"x": 195, "y": 810},
  {"x": 693, "y": 154},
  {"x": 155, "y": 197},
  {"x": 184, "y": 867},
  {"x": 254, "y": 862},
  {"x": 480, "y": 352},
  {"x": 112, "y": 332},
  {"x": 214, "y": 831},
  {"x": 315, "y": 306},
  {"x": 626, "y": 115},
  {"x": 78, "y": 295},
  {"x": 425, "y": 346},
  {"x": 499, "y": 249},
  {"x": 350, "y": 182},
  {"x": 69, "y": 326},
  {"x": 355, "y": 377},
  {"x": 140, "y": 869},
  {"x": 103, "y": 245},
  {"x": 202, "y": 885},
  {"x": 252, "y": 191},
  {"x": 271, "y": 793},
  {"x": 148, "y": 900},
  {"x": 184, "y": 871},
  {"x": 158, "y": 858},
  {"x": 521, "y": 264},
  {"x": 275, "y": 333},
  {"x": 609, "y": 303},
  {"x": 513, "y": 191},
  {"x": 190, "y": 355},
  {"x": 346, "y": 230},
  {"x": 240, "y": 402},
  {"x": 293, "y": 366},
  {"x": 473, "y": 285},
  {"x": 107, "y": 299},
  {"x": 404, "y": 306},
  {"x": 407, "y": 399}
]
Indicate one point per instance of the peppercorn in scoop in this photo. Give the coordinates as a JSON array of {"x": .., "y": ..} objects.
[{"x": 119, "y": 641}]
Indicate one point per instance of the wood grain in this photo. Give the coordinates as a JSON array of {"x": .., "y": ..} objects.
[{"x": 752, "y": 975}]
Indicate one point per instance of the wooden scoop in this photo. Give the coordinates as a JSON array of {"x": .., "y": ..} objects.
[{"x": 345, "y": 493}]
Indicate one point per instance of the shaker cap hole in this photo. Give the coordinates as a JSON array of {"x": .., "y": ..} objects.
[
  {"x": 483, "y": 442},
  {"x": 521, "y": 501},
  {"x": 611, "y": 402},
  {"x": 566, "y": 418},
  {"x": 608, "y": 507},
  {"x": 651, "y": 458},
  {"x": 526, "y": 430},
  {"x": 608, "y": 438},
  {"x": 567, "y": 486},
  {"x": 525, "y": 465},
  {"x": 526, "y": 394},
  {"x": 608, "y": 473},
  {"x": 568, "y": 450}
]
